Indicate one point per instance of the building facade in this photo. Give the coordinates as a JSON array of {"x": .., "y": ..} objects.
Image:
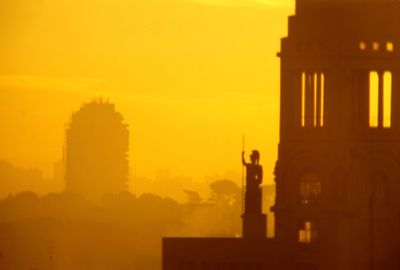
[{"x": 338, "y": 170}]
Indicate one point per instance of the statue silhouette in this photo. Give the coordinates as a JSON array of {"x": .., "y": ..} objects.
[{"x": 254, "y": 177}]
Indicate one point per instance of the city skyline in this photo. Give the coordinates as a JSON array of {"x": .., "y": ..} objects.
[{"x": 204, "y": 90}]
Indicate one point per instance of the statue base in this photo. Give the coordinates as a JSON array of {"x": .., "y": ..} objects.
[{"x": 254, "y": 226}]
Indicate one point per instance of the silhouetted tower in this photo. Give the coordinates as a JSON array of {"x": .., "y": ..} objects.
[
  {"x": 96, "y": 151},
  {"x": 338, "y": 170},
  {"x": 254, "y": 221}
]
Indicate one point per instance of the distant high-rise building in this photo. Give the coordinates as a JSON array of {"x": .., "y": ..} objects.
[{"x": 96, "y": 151}]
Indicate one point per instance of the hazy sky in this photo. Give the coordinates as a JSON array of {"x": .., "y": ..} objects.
[
  {"x": 189, "y": 77},
  {"x": 274, "y": 3}
]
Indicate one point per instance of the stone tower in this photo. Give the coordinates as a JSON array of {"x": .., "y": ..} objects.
[
  {"x": 96, "y": 151},
  {"x": 338, "y": 168}
]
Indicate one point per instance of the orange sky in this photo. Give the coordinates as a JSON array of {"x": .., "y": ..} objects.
[{"x": 190, "y": 77}]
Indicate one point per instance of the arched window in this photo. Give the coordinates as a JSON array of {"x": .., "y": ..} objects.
[
  {"x": 312, "y": 98},
  {"x": 310, "y": 188},
  {"x": 380, "y": 99}
]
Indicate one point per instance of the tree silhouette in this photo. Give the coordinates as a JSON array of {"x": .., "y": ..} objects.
[
  {"x": 224, "y": 191},
  {"x": 193, "y": 197}
]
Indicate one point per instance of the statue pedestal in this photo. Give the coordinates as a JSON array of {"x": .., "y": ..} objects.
[{"x": 254, "y": 226}]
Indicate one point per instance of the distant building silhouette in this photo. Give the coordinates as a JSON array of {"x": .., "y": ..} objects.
[
  {"x": 96, "y": 151},
  {"x": 337, "y": 176}
]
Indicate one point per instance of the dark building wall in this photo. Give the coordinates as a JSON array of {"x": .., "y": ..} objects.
[
  {"x": 96, "y": 151},
  {"x": 220, "y": 253}
]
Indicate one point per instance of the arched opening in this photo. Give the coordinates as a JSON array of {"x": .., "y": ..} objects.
[
  {"x": 309, "y": 188},
  {"x": 312, "y": 99},
  {"x": 380, "y": 99}
]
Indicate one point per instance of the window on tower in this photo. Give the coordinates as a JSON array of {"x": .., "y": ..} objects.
[
  {"x": 380, "y": 99},
  {"x": 389, "y": 46},
  {"x": 308, "y": 232},
  {"x": 310, "y": 189},
  {"x": 312, "y": 99},
  {"x": 373, "y": 99},
  {"x": 375, "y": 46}
]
